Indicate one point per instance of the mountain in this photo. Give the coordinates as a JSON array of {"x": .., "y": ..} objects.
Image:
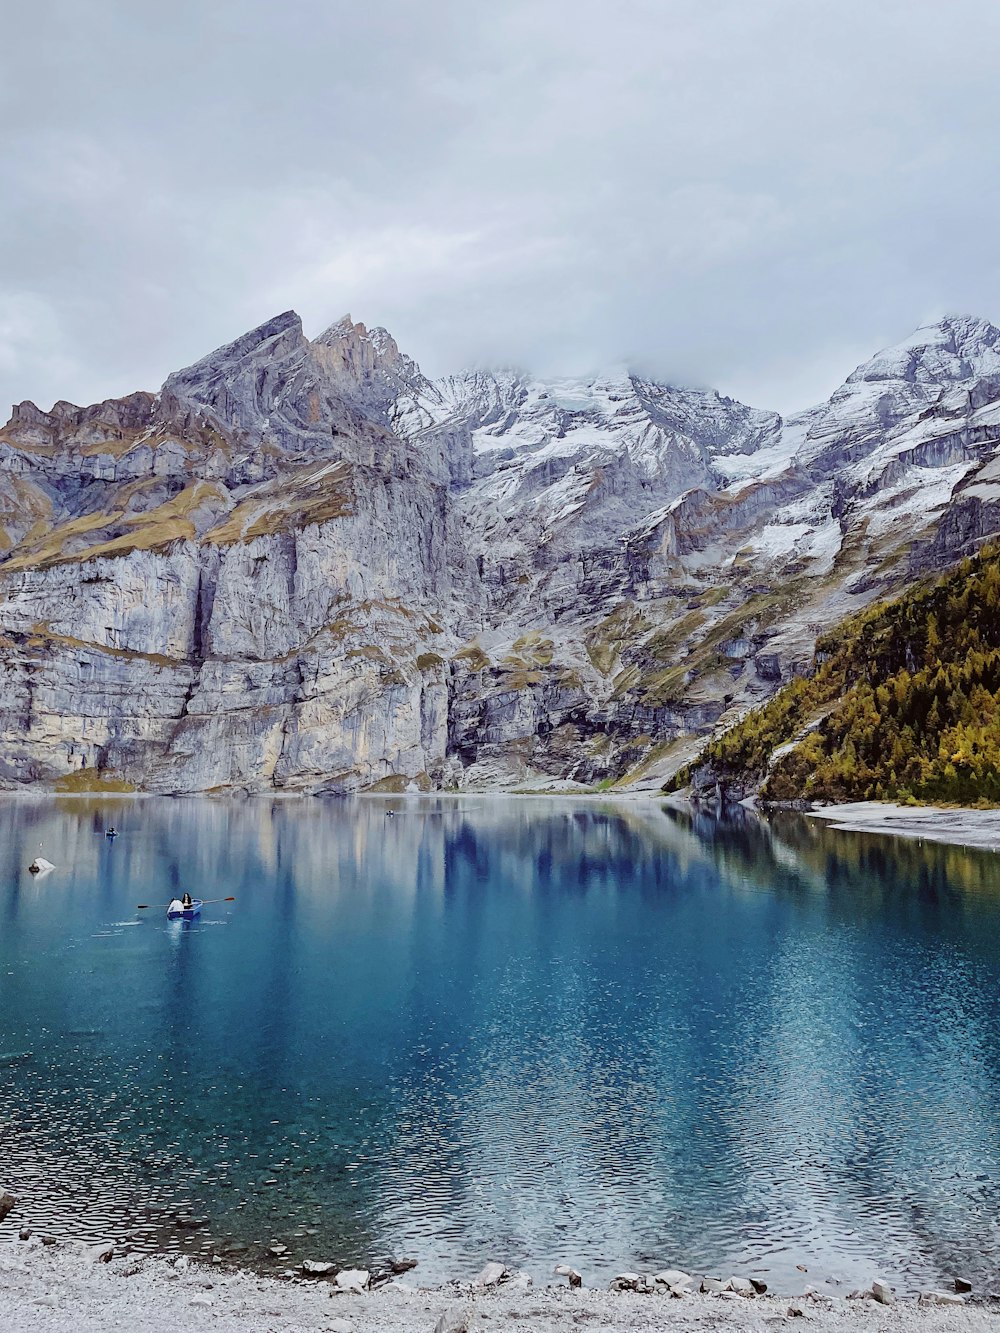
[{"x": 304, "y": 565}]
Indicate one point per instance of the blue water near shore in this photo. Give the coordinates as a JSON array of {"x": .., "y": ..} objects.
[{"x": 535, "y": 1030}]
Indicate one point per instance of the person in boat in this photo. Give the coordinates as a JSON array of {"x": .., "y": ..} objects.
[
  {"x": 187, "y": 902},
  {"x": 112, "y": 832}
]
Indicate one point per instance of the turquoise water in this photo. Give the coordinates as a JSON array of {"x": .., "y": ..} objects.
[{"x": 537, "y": 1030}]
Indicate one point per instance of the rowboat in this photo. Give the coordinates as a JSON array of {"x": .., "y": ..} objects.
[{"x": 176, "y": 911}]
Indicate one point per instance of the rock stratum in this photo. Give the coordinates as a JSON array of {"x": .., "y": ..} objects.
[{"x": 303, "y": 565}]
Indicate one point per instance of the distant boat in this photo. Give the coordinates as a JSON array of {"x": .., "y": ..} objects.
[
  {"x": 111, "y": 832},
  {"x": 40, "y": 866}
]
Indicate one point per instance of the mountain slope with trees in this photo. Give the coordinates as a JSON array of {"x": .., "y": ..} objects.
[{"x": 902, "y": 703}]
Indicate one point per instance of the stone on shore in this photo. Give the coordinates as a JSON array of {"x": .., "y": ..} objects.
[
  {"x": 742, "y": 1286},
  {"x": 101, "y": 1253},
  {"x": 940, "y": 1298},
  {"x": 402, "y": 1265},
  {"x": 457, "y": 1319},
  {"x": 352, "y": 1280},
  {"x": 491, "y": 1275},
  {"x": 570, "y": 1274},
  {"x": 7, "y": 1202},
  {"x": 883, "y": 1293},
  {"x": 712, "y": 1286},
  {"x": 963, "y": 1284},
  {"x": 317, "y": 1267},
  {"x": 625, "y": 1282},
  {"x": 673, "y": 1277}
]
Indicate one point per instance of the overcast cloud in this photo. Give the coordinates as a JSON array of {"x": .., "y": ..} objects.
[{"x": 754, "y": 194}]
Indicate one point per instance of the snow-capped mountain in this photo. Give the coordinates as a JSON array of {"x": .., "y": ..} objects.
[{"x": 302, "y": 564}]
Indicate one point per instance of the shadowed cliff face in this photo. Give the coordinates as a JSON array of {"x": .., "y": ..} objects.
[{"x": 302, "y": 565}]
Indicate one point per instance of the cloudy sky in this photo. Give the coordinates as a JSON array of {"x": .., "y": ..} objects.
[{"x": 754, "y": 194}]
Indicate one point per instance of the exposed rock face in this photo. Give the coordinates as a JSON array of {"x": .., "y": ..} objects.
[{"x": 303, "y": 565}]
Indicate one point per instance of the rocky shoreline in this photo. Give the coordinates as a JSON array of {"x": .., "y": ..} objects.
[{"x": 74, "y": 1287}]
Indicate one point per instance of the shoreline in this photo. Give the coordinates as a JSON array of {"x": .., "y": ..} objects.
[
  {"x": 961, "y": 826},
  {"x": 83, "y": 1288}
]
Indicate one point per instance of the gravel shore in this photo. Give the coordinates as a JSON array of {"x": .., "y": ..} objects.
[
  {"x": 64, "y": 1289},
  {"x": 963, "y": 827}
]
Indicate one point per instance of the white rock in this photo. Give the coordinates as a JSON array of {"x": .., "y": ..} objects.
[
  {"x": 940, "y": 1298},
  {"x": 353, "y": 1279},
  {"x": 673, "y": 1277},
  {"x": 490, "y": 1275},
  {"x": 570, "y": 1274},
  {"x": 626, "y": 1282},
  {"x": 317, "y": 1267},
  {"x": 883, "y": 1293},
  {"x": 457, "y": 1319}
]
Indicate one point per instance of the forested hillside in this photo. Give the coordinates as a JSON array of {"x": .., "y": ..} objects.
[{"x": 902, "y": 704}]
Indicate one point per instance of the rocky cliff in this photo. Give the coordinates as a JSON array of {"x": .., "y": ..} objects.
[{"x": 303, "y": 565}]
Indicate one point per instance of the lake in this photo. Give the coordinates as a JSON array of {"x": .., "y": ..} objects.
[{"x": 538, "y": 1030}]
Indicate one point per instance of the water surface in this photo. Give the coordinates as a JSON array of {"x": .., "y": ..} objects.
[{"x": 537, "y": 1030}]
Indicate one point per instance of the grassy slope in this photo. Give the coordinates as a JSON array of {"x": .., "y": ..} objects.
[{"x": 903, "y": 703}]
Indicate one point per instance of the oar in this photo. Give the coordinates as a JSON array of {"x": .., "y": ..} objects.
[{"x": 204, "y": 902}]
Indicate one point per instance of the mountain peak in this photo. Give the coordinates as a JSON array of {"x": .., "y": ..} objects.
[
  {"x": 267, "y": 342},
  {"x": 344, "y": 327},
  {"x": 955, "y": 347}
]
